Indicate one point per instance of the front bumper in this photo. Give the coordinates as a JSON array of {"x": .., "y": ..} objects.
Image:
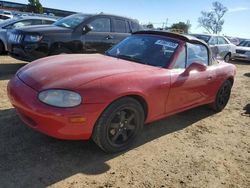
[
  {"x": 28, "y": 52},
  {"x": 49, "y": 120},
  {"x": 242, "y": 57}
]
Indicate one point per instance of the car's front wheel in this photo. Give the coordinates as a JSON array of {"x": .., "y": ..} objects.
[
  {"x": 222, "y": 96},
  {"x": 227, "y": 58},
  {"x": 119, "y": 125}
]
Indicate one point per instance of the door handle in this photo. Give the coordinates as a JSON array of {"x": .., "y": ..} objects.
[{"x": 109, "y": 37}]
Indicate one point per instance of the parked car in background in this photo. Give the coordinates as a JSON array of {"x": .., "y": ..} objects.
[
  {"x": 78, "y": 33},
  {"x": 4, "y": 17},
  {"x": 146, "y": 77},
  {"x": 233, "y": 40},
  {"x": 243, "y": 51},
  {"x": 8, "y": 13},
  {"x": 18, "y": 22},
  {"x": 221, "y": 47}
]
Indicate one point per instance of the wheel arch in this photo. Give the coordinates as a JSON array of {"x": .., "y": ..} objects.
[
  {"x": 231, "y": 79},
  {"x": 136, "y": 97},
  {"x": 228, "y": 53}
]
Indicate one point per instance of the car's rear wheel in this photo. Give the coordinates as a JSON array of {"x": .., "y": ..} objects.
[
  {"x": 119, "y": 125},
  {"x": 222, "y": 96},
  {"x": 227, "y": 58}
]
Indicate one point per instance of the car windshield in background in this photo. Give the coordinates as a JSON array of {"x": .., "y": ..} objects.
[
  {"x": 245, "y": 43},
  {"x": 71, "y": 21},
  {"x": 150, "y": 50},
  {"x": 205, "y": 38}
]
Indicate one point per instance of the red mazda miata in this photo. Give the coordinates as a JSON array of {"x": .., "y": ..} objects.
[{"x": 146, "y": 77}]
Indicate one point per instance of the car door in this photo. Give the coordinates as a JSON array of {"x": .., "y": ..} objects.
[
  {"x": 213, "y": 42},
  {"x": 121, "y": 29},
  {"x": 100, "y": 38},
  {"x": 190, "y": 89},
  {"x": 223, "y": 47}
]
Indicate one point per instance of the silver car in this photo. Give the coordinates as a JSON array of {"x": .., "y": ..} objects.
[
  {"x": 18, "y": 22},
  {"x": 221, "y": 47},
  {"x": 243, "y": 51}
]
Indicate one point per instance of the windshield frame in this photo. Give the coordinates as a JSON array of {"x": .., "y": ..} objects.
[
  {"x": 84, "y": 18},
  {"x": 201, "y": 37},
  {"x": 139, "y": 61},
  {"x": 244, "y": 43}
]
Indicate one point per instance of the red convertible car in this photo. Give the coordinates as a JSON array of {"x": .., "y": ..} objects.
[{"x": 146, "y": 77}]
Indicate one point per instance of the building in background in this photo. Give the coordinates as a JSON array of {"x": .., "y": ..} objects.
[{"x": 19, "y": 7}]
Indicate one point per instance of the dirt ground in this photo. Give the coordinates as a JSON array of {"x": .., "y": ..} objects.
[{"x": 196, "y": 148}]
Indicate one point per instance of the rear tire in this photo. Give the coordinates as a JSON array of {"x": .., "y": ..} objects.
[
  {"x": 222, "y": 96},
  {"x": 119, "y": 125}
]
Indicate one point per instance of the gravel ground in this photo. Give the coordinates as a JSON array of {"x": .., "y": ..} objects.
[{"x": 196, "y": 148}]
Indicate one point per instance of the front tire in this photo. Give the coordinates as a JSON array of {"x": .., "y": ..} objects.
[
  {"x": 119, "y": 125},
  {"x": 222, "y": 96},
  {"x": 227, "y": 58}
]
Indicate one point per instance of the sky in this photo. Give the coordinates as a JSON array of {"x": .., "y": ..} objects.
[{"x": 237, "y": 19}]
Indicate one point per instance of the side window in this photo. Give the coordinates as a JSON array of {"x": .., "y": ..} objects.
[
  {"x": 101, "y": 25},
  {"x": 221, "y": 40},
  {"x": 213, "y": 41},
  {"x": 36, "y": 22},
  {"x": 196, "y": 53},
  {"x": 22, "y": 24},
  {"x": 48, "y": 22},
  {"x": 181, "y": 60},
  {"x": 120, "y": 26}
]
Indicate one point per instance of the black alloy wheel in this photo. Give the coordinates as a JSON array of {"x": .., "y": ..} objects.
[
  {"x": 119, "y": 125},
  {"x": 122, "y": 127},
  {"x": 222, "y": 96}
]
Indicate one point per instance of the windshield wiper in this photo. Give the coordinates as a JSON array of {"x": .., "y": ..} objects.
[{"x": 130, "y": 58}]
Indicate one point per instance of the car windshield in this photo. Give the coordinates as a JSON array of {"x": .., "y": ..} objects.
[
  {"x": 149, "y": 50},
  {"x": 71, "y": 21},
  {"x": 8, "y": 21},
  {"x": 205, "y": 38},
  {"x": 245, "y": 43}
]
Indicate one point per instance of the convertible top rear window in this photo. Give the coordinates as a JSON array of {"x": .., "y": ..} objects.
[{"x": 145, "y": 49}]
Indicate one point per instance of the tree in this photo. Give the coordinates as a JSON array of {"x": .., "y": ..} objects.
[
  {"x": 150, "y": 26},
  {"x": 212, "y": 20},
  {"x": 35, "y": 6},
  {"x": 181, "y": 26}
]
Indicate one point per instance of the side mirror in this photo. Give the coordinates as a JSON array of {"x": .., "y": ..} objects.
[
  {"x": 195, "y": 66},
  {"x": 87, "y": 28}
]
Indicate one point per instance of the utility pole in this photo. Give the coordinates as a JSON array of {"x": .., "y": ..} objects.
[{"x": 166, "y": 24}]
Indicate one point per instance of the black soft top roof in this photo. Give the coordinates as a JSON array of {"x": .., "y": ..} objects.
[{"x": 186, "y": 38}]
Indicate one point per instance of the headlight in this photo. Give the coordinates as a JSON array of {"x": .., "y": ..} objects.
[
  {"x": 60, "y": 98},
  {"x": 248, "y": 53},
  {"x": 32, "y": 38}
]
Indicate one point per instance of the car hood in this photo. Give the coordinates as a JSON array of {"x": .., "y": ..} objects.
[
  {"x": 44, "y": 29},
  {"x": 243, "y": 48},
  {"x": 72, "y": 71}
]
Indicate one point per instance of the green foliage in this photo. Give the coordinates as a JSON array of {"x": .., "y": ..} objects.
[
  {"x": 181, "y": 26},
  {"x": 150, "y": 26},
  {"x": 35, "y": 6},
  {"x": 212, "y": 20}
]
